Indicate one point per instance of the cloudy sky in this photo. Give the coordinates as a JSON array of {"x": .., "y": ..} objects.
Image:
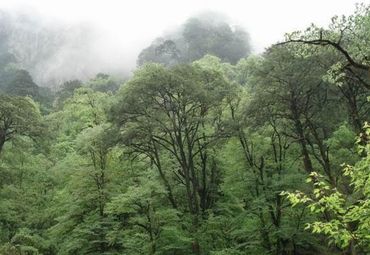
[{"x": 130, "y": 25}]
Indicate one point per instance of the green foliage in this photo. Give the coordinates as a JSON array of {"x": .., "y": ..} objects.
[
  {"x": 204, "y": 158},
  {"x": 66, "y": 91},
  {"x": 347, "y": 215},
  {"x": 21, "y": 84},
  {"x": 19, "y": 116},
  {"x": 146, "y": 227},
  {"x": 103, "y": 83}
]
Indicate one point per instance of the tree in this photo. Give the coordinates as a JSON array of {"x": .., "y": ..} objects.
[
  {"x": 18, "y": 116},
  {"x": 160, "y": 51},
  {"x": 145, "y": 225},
  {"x": 345, "y": 220},
  {"x": 66, "y": 91},
  {"x": 348, "y": 37},
  {"x": 103, "y": 83},
  {"x": 304, "y": 100},
  {"x": 198, "y": 36},
  {"x": 82, "y": 142},
  {"x": 175, "y": 112},
  {"x": 22, "y": 84},
  {"x": 205, "y": 35}
]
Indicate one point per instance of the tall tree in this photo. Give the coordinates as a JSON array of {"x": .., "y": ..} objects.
[
  {"x": 18, "y": 116},
  {"x": 175, "y": 113}
]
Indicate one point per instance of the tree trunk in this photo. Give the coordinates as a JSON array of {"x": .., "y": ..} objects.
[
  {"x": 301, "y": 138},
  {"x": 2, "y": 140},
  {"x": 157, "y": 162}
]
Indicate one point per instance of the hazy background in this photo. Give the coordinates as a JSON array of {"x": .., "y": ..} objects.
[{"x": 108, "y": 35}]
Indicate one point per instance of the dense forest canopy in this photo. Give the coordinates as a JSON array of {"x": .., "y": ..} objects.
[{"x": 207, "y": 149}]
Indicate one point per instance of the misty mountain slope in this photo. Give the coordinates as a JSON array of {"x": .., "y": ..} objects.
[
  {"x": 51, "y": 52},
  {"x": 208, "y": 33}
]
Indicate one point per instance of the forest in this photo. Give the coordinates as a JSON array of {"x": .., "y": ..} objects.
[{"x": 206, "y": 149}]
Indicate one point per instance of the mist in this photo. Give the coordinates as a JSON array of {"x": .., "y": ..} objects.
[
  {"x": 53, "y": 51},
  {"x": 59, "y": 41}
]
